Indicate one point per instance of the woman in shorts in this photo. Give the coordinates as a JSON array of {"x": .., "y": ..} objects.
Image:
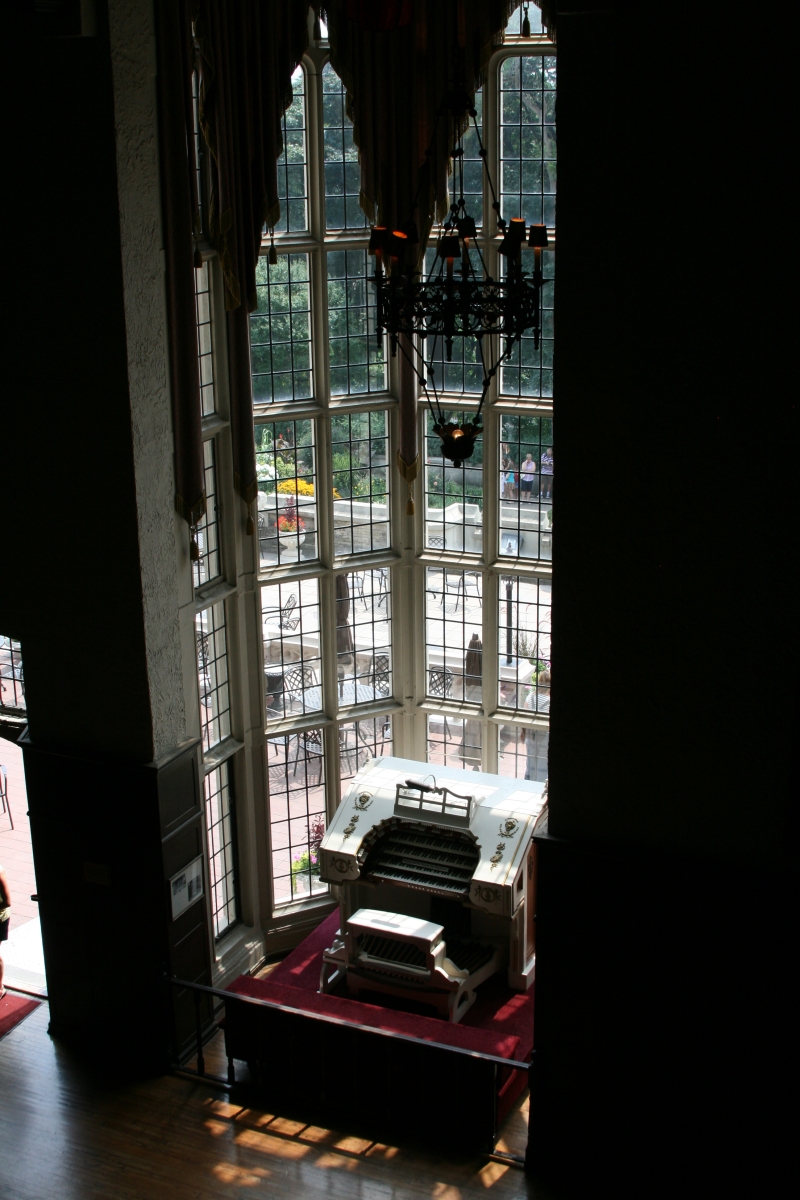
[
  {"x": 510, "y": 479},
  {"x": 526, "y": 477}
]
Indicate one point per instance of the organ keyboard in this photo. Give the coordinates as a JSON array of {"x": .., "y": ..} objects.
[{"x": 435, "y": 886}]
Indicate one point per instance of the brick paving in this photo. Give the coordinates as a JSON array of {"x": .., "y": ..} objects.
[{"x": 16, "y": 854}]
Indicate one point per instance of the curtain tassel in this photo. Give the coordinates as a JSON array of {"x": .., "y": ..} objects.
[
  {"x": 409, "y": 472},
  {"x": 250, "y": 527},
  {"x": 273, "y": 253},
  {"x": 194, "y": 549}
]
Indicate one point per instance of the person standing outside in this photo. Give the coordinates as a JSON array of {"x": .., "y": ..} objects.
[
  {"x": 546, "y": 481},
  {"x": 5, "y": 920},
  {"x": 526, "y": 477},
  {"x": 511, "y": 479}
]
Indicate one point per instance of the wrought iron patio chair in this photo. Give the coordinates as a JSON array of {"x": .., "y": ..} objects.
[
  {"x": 381, "y": 679},
  {"x": 296, "y": 681},
  {"x": 309, "y": 743},
  {"x": 288, "y": 618},
  {"x": 383, "y": 584},
  {"x": 5, "y": 806},
  {"x": 440, "y": 684},
  {"x": 453, "y": 581}
]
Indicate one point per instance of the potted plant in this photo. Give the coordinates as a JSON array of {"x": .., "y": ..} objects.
[
  {"x": 305, "y": 865},
  {"x": 291, "y": 527}
]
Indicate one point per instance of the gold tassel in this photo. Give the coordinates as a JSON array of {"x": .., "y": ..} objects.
[
  {"x": 250, "y": 527},
  {"x": 409, "y": 472},
  {"x": 194, "y": 549}
]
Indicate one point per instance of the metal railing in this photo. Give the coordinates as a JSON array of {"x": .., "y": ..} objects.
[{"x": 199, "y": 990}]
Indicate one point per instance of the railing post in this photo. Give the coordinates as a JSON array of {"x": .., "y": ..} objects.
[
  {"x": 532, "y": 1115},
  {"x": 201, "y": 1064}
]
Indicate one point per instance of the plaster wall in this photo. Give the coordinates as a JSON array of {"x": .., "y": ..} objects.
[{"x": 133, "y": 60}]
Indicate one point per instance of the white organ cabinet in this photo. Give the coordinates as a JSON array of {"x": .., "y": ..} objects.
[{"x": 434, "y": 873}]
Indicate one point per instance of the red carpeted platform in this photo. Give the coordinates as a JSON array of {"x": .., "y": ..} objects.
[
  {"x": 14, "y": 1009},
  {"x": 500, "y": 1022}
]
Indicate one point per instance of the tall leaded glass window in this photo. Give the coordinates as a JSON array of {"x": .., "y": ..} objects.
[
  {"x": 453, "y": 495},
  {"x": 528, "y": 139},
  {"x": 12, "y": 678},
  {"x": 356, "y": 358},
  {"x": 221, "y": 835},
  {"x": 287, "y": 492},
  {"x": 347, "y": 638},
  {"x": 280, "y": 330},
  {"x": 292, "y": 165},
  {"x": 361, "y": 471},
  {"x": 342, "y": 174}
]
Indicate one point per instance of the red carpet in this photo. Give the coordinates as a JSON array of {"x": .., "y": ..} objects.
[
  {"x": 14, "y": 1009},
  {"x": 500, "y": 1022}
]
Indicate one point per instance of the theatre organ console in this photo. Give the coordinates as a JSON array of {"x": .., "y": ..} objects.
[{"x": 435, "y": 874}]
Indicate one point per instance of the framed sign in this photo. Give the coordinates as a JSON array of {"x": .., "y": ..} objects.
[{"x": 186, "y": 887}]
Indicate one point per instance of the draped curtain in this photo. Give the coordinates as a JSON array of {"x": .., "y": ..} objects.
[
  {"x": 244, "y": 54},
  {"x": 179, "y": 215},
  {"x": 397, "y": 58}
]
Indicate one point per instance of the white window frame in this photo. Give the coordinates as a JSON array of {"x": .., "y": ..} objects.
[{"x": 265, "y": 927}]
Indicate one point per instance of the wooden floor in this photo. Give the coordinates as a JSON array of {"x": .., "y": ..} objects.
[{"x": 67, "y": 1136}]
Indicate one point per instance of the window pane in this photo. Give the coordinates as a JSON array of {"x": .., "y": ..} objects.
[
  {"x": 522, "y": 753},
  {"x": 280, "y": 331},
  {"x": 212, "y": 670},
  {"x": 12, "y": 680},
  {"x": 528, "y": 371},
  {"x": 342, "y": 171},
  {"x": 524, "y": 641},
  {"x": 454, "y": 741},
  {"x": 287, "y": 506},
  {"x": 454, "y": 650},
  {"x": 205, "y": 360},
  {"x": 453, "y": 495},
  {"x": 221, "y": 849},
  {"x": 472, "y": 165},
  {"x": 363, "y": 636},
  {"x": 526, "y": 487},
  {"x": 208, "y": 565},
  {"x": 359, "y": 741},
  {"x": 360, "y": 458},
  {"x": 296, "y": 769},
  {"x": 465, "y": 370},
  {"x": 357, "y": 361},
  {"x": 528, "y": 139},
  {"x": 290, "y": 616},
  {"x": 292, "y": 177}
]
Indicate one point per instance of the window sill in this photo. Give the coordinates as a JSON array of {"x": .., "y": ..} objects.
[
  {"x": 213, "y": 593},
  {"x": 237, "y": 953},
  {"x": 220, "y": 753}
]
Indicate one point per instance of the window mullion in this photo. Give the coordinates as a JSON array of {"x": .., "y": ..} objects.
[
  {"x": 490, "y": 646},
  {"x": 491, "y": 485}
]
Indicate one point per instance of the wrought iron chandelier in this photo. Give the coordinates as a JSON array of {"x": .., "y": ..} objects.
[{"x": 420, "y": 313}]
